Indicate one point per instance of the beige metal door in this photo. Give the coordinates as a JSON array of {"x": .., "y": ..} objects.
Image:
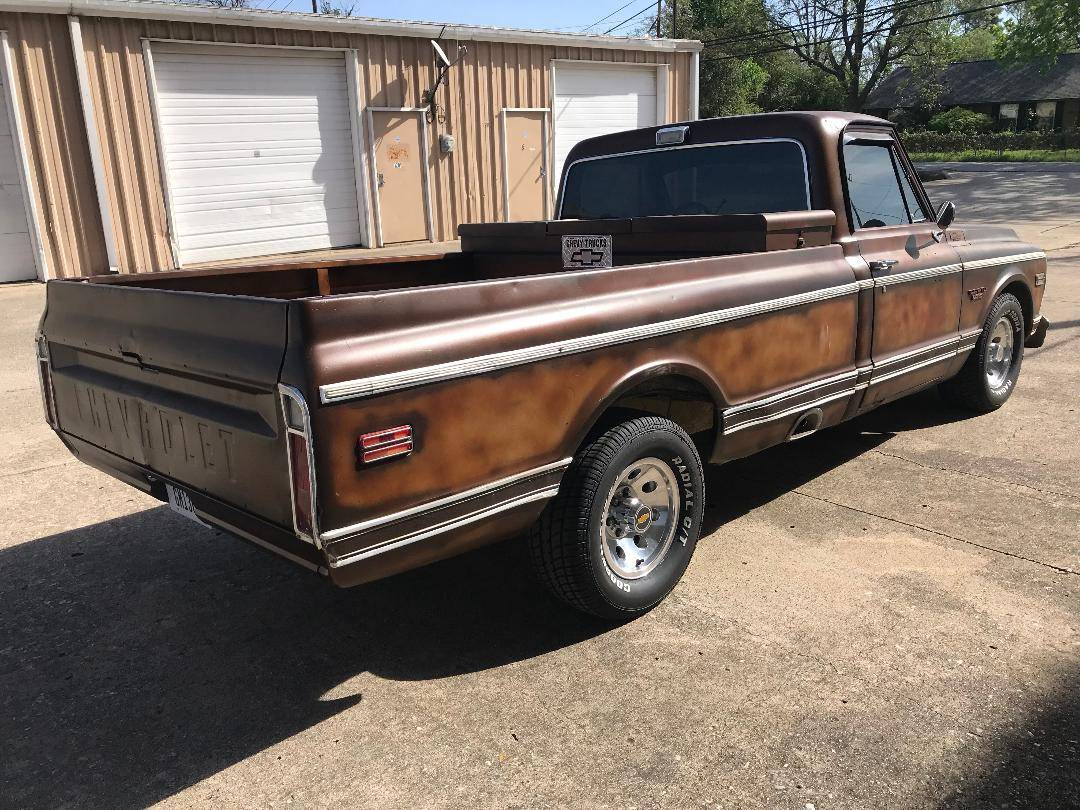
[
  {"x": 400, "y": 168},
  {"x": 525, "y": 164}
]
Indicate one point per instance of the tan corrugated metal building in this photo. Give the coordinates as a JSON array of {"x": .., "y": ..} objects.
[{"x": 147, "y": 135}]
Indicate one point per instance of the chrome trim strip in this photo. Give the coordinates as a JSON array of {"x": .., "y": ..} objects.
[
  {"x": 711, "y": 144},
  {"x": 290, "y": 392},
  {"x": 789, "y": 412},
  {"x": 439, "y": 503},
  {"x": 940, "y": 358},
  {"x": 908, "y": 355},
  {"x": 409, "y": 378},
  {"x": 917, "y": 275},
  {"x": 791, "y": 392},
  {"x": 976, "y": 264},
  {"x": 456, "y": 523}
]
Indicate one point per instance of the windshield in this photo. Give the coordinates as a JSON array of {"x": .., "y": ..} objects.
[{"x": 744, "y": 178}]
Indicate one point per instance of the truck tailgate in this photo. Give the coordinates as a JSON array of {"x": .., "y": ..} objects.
[{"x": 184, "y": 384}]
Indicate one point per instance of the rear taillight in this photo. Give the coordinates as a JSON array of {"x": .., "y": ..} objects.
[
  {"x": 48, "y": 399},
  {"x": 380, "y": 444},
  {"x": 294, "y": 411}
]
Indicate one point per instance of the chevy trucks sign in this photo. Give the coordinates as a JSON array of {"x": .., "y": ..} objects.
[{"x": 586, "y": 252}]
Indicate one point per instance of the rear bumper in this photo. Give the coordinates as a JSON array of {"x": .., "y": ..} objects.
[
  {"x": 218, "y": 514},
  {"x": 1037, "y": 335}
]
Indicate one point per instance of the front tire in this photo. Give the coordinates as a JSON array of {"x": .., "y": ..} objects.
[
  {"x": 989, "y": 375},
  {"x": 620, "y": 533}
]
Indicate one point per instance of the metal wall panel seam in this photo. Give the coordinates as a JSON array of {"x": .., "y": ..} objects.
[{"x": 96, "y": 160}]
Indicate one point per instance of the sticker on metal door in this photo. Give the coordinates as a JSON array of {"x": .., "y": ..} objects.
[{"x": 586, "y": 252}]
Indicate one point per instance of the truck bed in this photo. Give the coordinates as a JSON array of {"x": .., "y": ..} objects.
[
  {"x": 503, "y": 250},
  {"x": 184, "y": 379}
]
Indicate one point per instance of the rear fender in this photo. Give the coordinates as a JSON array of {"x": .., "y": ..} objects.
[{"x": 637, "y": 377}]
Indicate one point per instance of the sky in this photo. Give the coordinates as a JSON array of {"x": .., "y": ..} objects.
[{"x": 553, "y": 15}]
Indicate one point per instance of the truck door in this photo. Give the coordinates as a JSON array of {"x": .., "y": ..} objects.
[{"x": 917, "y": 275}]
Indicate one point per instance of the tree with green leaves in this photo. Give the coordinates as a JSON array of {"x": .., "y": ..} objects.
[
  {"x": 733, "y": 83},
  {"x": 857, "y": 42},
  {"x": 1041, "y": 29}
]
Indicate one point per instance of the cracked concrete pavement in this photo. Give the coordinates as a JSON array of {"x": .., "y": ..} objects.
[{"x": 882, "y": 615}]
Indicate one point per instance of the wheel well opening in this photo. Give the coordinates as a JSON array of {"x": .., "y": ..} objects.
[
  {"x": 683, "y": 400},
  {"x": 1023, "y": 295}
]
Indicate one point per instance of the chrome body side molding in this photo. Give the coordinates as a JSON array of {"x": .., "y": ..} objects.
[
  {"x": 792, "y": 411},
  {"x": 918, "y": 275},
  {"x": 409, "y": 378},
  {"x": 440, "y": 503},
  {"x": 796, "y": 400},
  {"x": 398, "y": 380},
  {"x": 977, "y": 264},
  {"x": 441, "y": 528}
]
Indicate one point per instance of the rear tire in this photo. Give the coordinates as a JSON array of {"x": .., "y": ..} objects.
[
  {"x": 620, "y": 533},
  {"x": 989, "y": 376}
]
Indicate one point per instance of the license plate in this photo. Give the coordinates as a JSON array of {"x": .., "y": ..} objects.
[{"x": 180, "y": 502}]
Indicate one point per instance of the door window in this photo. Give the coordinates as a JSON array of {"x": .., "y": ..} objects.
[{"x": 878, "y": 192}]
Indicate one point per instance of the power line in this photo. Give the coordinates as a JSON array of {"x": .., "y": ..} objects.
[
  {"x": 902, "y": 6},
  {"x": 606, "y": 16},
  {"x": 828, "y": 40},
  {"x": 648, "y": 7}
]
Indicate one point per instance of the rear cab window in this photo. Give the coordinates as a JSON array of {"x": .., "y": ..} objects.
[
  {"x": 751, "y": 177},
  {"x": 880, "y": 192}
]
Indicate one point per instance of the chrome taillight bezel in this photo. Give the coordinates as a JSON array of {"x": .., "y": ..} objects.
[
  {"x": 297, "y": 425},
  {"x": 48, "y": 395}
]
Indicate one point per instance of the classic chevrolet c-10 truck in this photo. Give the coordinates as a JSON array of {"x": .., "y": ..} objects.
[{"x": 708, "y": 289}]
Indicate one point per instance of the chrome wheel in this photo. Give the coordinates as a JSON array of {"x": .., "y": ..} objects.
[
  {"x": 642, "y": 515},
  {"x": 999, "y": 352}
]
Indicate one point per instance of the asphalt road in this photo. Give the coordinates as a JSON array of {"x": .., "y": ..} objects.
[{"x": 884, "y": 615}]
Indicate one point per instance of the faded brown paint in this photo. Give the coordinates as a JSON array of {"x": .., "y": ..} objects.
[
  {"x": 399, "y": 176},
  {"x": 710, "y": 321},
  {"x": 527, "y": 178},
  {"x": 523, "y": 417},
  {"x": 58, "y": 157},
  {"x": 466, "y": 186},
  {"x": 913, "y": 312}
]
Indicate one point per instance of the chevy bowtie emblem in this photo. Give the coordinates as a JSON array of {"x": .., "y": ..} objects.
[{"x": 977, "y": 293}]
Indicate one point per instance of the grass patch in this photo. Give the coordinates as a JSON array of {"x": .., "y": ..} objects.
[{"x": 1008, "y": 155}]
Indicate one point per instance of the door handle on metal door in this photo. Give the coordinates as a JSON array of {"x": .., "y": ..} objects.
[
  {"x": 380, "y": 180},
  {"x": 883, "y": 265}
]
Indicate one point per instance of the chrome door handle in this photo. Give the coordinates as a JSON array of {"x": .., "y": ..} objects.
[{"x": 883, "y": 265}]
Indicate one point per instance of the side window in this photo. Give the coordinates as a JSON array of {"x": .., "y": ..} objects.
[
  {"x": 914, "y": 207},
  {"x": 873, "y": 184}
]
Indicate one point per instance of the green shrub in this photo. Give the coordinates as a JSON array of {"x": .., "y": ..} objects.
[
  {"x": 960, "y": 120},
  {"x": 990, "y": 141}
]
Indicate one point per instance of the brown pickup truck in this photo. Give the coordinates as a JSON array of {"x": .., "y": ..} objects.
[{"x": 709, "y": 289}]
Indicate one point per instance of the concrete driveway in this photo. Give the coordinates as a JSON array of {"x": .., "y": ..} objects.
[{"x": 884, "y": 615}]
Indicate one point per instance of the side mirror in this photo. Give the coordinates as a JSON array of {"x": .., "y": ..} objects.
[{"x": 945, "y": 215}]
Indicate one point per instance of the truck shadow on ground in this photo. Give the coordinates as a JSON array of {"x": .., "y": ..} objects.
[
  {"x": 749, "y": 483},
  {"x": 143, "y": 654},
  {"x": 1035, "y": 765}
]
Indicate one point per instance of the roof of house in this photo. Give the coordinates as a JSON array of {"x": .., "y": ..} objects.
[
  {"x": 985, "y": 82},
  {"x": 206, "y": 13}
]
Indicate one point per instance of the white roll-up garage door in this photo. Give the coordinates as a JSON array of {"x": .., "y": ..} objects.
[
  {"x": 258, "y": 147},
  {"x": 595, "y": 99}
]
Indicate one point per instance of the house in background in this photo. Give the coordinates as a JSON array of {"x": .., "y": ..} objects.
[
  {"x": 146, "y": 135},
  {"x": 1017, "y": 96}
]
